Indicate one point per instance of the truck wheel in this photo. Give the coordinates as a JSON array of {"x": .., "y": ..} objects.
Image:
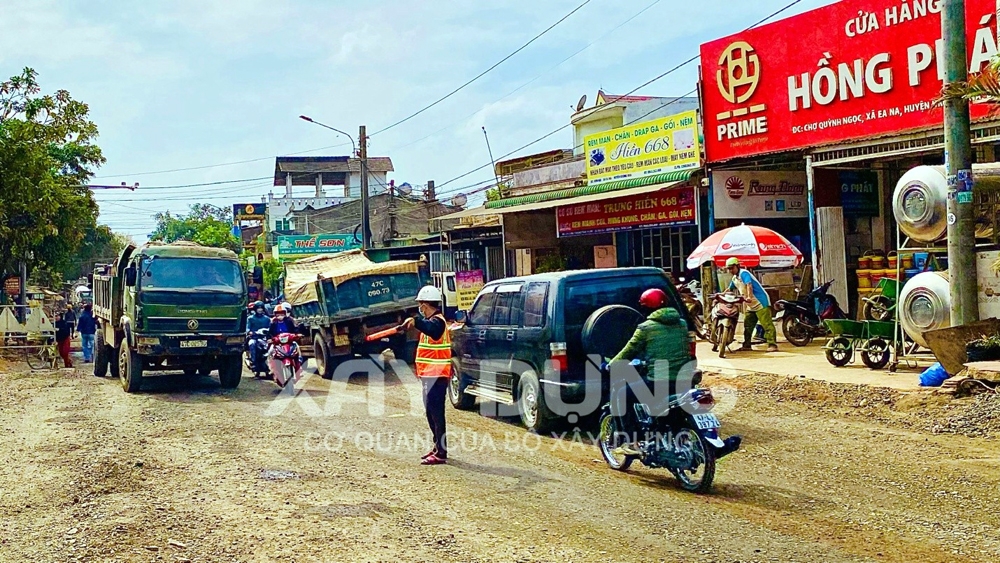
[
  {"x": 230, "y": 372},
  {"x": 535, "y": 415},
  {"x": 130, "y": 368},
  {"x": 325, "y": 365},
  {"x": 101, "y": 353}
]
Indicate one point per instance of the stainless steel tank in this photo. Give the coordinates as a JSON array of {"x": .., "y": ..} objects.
[
  {"x": 920, "y": 200},
  {"x": 925, "y": 304},
  {"x": 920, "y": 203}
]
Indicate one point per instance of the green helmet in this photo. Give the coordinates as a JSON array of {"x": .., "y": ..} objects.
[{"x": 732, "y": 261}]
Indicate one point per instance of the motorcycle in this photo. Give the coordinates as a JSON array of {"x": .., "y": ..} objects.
[
  {"x": 690, "y": 293},
  {"x": 255, "y": 352},
  {"x": 802, "y": 319},
  {"x": 680, "y": 434},
  {"x": 285, "y": 359},
  {"x": 725, "y": 315}
]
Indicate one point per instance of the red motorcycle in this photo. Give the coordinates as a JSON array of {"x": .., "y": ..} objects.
[{"x": 285, "y": 358}]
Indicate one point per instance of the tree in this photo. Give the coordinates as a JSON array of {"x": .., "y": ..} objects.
[
  {"x": 47, "y": 156},
  {"x": 204, "y": 224},
  {"x": 100, "y": 245}
]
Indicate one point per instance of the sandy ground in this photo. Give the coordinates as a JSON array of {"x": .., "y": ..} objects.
[{"x": 188, "y": 472}]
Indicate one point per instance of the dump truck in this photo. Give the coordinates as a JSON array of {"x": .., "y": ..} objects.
[
  {"x": 343, "y": 298},
  {"x": 170, "y": 307}
]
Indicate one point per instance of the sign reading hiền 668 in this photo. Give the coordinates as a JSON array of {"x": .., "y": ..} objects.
[{"x": 653, "y": 147}]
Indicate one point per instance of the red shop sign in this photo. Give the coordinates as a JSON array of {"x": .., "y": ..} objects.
[
  {"x": 664, "y": 208},
  {"x": 851, "y": 70}
]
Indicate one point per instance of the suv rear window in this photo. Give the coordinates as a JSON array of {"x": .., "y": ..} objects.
[
  {"x": 535, "y": 301},
  {"x": 507, "y": 307}
]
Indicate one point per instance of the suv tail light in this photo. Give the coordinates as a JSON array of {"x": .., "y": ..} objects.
[
  {"x": 693, "y": 344},
  {"x": 558, "y": 355}
]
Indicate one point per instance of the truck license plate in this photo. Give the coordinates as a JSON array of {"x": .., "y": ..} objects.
[
  {"x": 706, "y": 421},
  {"x": 194, "y": 343}
]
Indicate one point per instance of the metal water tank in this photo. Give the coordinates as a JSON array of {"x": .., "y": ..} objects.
[
  {"x": 920, "y": 203},
  {"x": 925, "y": 304}
]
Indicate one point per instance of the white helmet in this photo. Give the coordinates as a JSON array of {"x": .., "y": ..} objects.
[{"x": 429, "y": 294}]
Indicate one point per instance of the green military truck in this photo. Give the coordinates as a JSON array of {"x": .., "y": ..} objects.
[{"x": 170, "y": 307}]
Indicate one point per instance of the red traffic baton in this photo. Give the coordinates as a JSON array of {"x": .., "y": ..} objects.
[{"x": 382, "y": 334}]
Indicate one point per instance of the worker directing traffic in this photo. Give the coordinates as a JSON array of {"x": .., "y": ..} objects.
[{"x": 433, "y": 365}]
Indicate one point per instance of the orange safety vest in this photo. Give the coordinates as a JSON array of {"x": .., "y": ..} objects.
[{"x": 434, "y": 356}]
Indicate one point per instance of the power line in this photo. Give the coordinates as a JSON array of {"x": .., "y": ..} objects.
[
  {"x": 515, "y": 90},
  {"x": 481, "y": 74},
  {"x": 224, "y": 163},
  {"x": 630, "y": 92}
]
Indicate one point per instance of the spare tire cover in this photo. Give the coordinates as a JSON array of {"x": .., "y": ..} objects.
[{"x": 608, "y": 329}]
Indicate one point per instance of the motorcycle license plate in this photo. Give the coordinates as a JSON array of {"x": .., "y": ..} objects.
[
  {"x": 706, "y": 421},
  {"x": 194, "y": 343}
]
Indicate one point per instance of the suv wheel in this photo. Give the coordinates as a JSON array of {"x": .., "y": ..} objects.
[
  {"x": 535, "y": 415},
  {"x": 456, "y": 390}
]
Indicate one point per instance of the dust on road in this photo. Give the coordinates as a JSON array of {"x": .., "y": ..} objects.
[{"x": 187, "y": 472}]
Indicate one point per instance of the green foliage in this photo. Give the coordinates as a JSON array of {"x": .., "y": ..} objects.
[
  {"x": 47, "y": 156},
  {"x": 273, "y": 270},
  {"x": 204, "y": 224},
  {"x": 550, "y": 263},
  {"x": 492, "y": 194}
]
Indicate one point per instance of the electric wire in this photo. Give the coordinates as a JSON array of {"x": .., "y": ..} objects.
[{"x": 483, "y": 73}]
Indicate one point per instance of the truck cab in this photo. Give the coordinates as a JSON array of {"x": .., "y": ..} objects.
[
  {"x": 445, "y": 281},
  {"x": 178, "y": 306}
]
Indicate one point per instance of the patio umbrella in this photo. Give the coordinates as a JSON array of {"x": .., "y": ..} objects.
[{"x": 754, "y": 246}]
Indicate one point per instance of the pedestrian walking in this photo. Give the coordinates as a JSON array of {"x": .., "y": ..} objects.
[
  {"x": 64, "y": 330},
  {"x": 758, "y": 305},
  {"x": 70, "y": 317},
  {"x": 87, "y": 327},
  {"x": 433, "y": 366}
]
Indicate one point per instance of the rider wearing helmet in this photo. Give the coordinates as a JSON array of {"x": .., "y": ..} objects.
[
  {"x": 663, "y": 343},
  {"x": 258, "y": 319},
  {"x": 758, "y": 305},
  {"x": 282, "y": 322},
  {"x": 433, "y": 366}
]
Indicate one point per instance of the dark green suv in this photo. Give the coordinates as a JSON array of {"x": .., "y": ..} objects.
[{"x": 522, "y": 342}]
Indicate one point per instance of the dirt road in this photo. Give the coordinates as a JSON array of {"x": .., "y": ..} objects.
[{"x": 188, "y": 472}]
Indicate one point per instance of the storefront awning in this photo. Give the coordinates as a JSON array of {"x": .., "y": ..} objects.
[{"x": 622, "y": 188}]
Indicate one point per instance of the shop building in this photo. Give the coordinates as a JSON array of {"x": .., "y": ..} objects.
[
  {"x": 629, "y": 194},
  {"x": 845, "y": 114}
]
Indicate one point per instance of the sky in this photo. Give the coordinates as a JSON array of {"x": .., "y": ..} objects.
[{"x": 196, "y": 92}]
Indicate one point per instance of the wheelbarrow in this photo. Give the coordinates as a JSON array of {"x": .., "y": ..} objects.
[
  {"x": 881, "y": 304},
  {"x": 872, "y": 339}
]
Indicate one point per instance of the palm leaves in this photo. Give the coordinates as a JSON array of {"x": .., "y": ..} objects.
[{"x": 981, "y": 87}]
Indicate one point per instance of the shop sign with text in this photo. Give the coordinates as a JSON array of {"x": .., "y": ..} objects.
[
  {"x": 467, "y": 285},
  {"x": 868, "y": 68},
  {"x": 300, "y": 245},
  {"x": 653, "y": 147},
  {"x": 249, "y": 211},
  {"x": 859, "y": 193},
  {"x": 746, "y": 194},
  {"x": 664, "y": 208}
]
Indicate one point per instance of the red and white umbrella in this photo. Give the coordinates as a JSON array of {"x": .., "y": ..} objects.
[{"x": 754, "y": 246}]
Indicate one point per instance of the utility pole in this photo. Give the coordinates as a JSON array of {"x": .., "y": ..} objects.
[
  {"x": 366, "y": 232},
  {"x": 958, "y": 163}
]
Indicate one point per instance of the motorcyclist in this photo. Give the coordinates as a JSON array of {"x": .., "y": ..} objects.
[
  {"x": 257, "y": 321},
  {"x": 663, "y": 343},
  {"x": 281, "y": 323}
]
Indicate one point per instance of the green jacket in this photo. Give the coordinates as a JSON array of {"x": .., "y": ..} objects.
[{"x": 662, "y": 336}]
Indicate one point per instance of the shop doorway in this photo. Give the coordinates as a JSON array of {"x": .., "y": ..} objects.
[{"x": 666, "y": 249}]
